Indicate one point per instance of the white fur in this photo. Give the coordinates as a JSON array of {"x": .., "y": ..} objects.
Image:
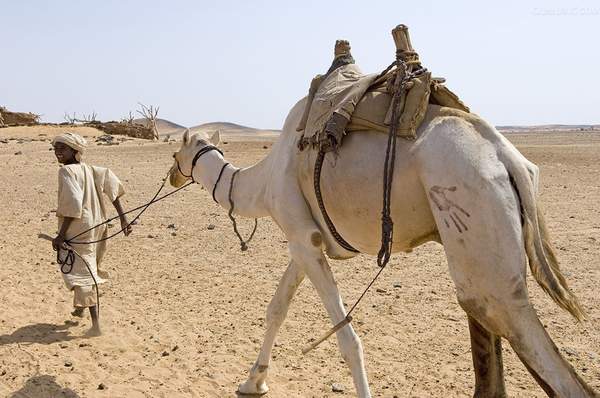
[{"x": 451, "y": 185}]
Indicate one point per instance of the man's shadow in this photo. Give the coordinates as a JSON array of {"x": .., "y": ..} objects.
[
  {"x": 43, "y": 386},
  {"x": 41, "y": 333}
]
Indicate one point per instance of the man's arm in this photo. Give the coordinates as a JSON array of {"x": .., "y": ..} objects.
[
  {"x": 124, "y": 223},
  {"x": 60, "y": 239}
]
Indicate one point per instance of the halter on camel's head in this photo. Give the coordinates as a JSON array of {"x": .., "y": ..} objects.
[{"x": 192, "y": 148}]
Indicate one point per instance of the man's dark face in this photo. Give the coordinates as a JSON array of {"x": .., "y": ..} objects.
[{"x": 64, "y": 153}]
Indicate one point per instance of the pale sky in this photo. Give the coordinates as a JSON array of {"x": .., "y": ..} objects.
[{"x": 248, "y": 62}]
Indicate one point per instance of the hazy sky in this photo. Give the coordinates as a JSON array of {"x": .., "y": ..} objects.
[{"x": 248, "y": 62}]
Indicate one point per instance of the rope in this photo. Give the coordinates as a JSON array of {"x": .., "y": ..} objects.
[
  {"x": 144, "y": 206},
  {"x": 214, "y": 190},
  {"x": 387, "y": 224},
  {"x": 243, "y": 244},
  {"x": 69, "y": 261}
]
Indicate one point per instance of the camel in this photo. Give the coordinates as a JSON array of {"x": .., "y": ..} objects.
[{"x": 459, "y": 183}]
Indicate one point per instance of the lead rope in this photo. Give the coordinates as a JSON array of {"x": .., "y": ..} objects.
[
  {"x": 387, "y": 224},
  {"x": 243, "y": 244}
]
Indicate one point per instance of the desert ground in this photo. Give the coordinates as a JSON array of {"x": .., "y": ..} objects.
[{"x": 184, "y": 311}]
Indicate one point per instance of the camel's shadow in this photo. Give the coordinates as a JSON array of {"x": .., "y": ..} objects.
[
  {"x": 43, "y": 386},
  {"x": 41, "y": 333}
]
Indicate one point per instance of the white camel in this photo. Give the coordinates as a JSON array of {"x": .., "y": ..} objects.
[{"x": 460, "y": 183}]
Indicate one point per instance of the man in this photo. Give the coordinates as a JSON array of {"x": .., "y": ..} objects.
[{"x": 81, "y": 188}]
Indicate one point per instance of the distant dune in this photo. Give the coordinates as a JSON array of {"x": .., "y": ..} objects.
[
  {"x": 549, "y": 127},
  {"x": 236, "y": 132},
  {"x": 165, "y": 127}
]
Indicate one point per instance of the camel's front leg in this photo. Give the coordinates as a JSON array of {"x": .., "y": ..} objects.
[
  {"x": 310, "y": 256},
  {"x": 276, "y": 312}
]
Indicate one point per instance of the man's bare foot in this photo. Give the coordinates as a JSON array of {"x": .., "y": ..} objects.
[
  {"x": 93, "y": 332},
  {"x": 78, "y": 312}
]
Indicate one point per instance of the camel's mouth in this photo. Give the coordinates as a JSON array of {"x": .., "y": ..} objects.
[{"x": 175, "y": 178}]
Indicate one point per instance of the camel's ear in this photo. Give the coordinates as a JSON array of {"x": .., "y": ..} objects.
[
  {"x": 215, "y": 139},
  {"x": 186, "y": 136}
]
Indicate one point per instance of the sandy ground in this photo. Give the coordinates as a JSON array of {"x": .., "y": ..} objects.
[{"x": 184, "y": 312}]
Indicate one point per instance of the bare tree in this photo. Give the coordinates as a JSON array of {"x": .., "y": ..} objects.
[
  {"x": 150, "y": 114},
  {"x": 70, "y": 119},
  {"x": 127, "y": 119},
  {"x": 89, "y": 118}
]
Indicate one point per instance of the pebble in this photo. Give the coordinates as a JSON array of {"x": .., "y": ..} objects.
[
  {"x": 102, "y": 386},
  {"x": 175, "y": 348},
  {"x": 171, "y": 226},
  {"x": 337, "y": 387},
  {"x": 397, "y": 284},
  {"x": 165, "y": 354},
  {"x": 19, "y": 153},
  {"x": 3, "y": 372},
  {"x": 68, "y": 364},
  {"x": 151, "y": 236},
  {"x": 571, "y": 352},
  {"x": 380, "y": 290},
  {"x": 211, "y": 226},
  {"x": 63, "y": 345}
]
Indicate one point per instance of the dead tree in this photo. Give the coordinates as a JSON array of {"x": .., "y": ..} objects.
[
  {"x": 128, "y": 119},
  {"x": 70, "y": 119},
  {"x": 89, "y": 118},
  {"x": 150, "y": 113}
]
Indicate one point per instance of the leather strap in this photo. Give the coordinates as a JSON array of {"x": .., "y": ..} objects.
[{"x": 317, "y": 184}]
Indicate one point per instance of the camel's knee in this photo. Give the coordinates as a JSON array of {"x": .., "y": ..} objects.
[
  {"x": 275, "y": 313},
  {"x": 486, "y": 313},
  {"x": 350, "y": 343}
]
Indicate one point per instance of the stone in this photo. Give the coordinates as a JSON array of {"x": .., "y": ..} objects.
[
  {"x": 338, "y": 387},
  {"x": 211, "y": 226},
  {"x": 165, "y": 354},
  {"x": 68, "y": 364},
  {"x": 19, "y": 153},
  {"x": 102, "y": 386}
]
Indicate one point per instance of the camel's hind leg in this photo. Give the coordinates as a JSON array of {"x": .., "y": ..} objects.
[
  {"x": 276, "y": 313},
  {"x": 486, "y": 349},
  {"x": 478, "y": 217}
]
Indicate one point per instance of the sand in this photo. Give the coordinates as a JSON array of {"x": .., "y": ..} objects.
[{"x": 184, "y": 312}]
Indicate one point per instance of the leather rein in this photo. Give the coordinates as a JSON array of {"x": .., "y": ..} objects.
[{"x": 204, "y": 150}]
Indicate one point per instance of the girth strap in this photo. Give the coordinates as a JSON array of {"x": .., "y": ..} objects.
[{"x": 317, "y": 185}]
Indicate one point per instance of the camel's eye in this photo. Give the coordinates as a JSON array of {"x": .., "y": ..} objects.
[{"x": 174, "y": 155}]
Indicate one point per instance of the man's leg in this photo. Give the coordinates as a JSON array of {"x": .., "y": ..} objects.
[{"x": 95, "y": 330}]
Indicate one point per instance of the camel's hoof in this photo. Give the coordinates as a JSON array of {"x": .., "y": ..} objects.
[{"x": 250, "y": 387}]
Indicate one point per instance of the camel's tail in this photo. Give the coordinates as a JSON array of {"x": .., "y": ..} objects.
[{"x": 542, "y": 260}]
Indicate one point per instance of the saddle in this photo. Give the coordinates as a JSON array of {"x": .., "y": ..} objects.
[
  {"x": 345, "y": 100},
  {"x": 394, "y": 102}
]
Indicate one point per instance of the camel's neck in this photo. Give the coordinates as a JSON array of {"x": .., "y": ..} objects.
[{"x": 248, "y": 188}]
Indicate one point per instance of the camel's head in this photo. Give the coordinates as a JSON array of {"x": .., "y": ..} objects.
[{"x": 181, "y": 171}]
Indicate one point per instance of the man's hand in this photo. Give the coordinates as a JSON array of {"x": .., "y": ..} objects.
[
  {"x": 58, "y": 243},
  {"x": 125, "y": 226}
]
